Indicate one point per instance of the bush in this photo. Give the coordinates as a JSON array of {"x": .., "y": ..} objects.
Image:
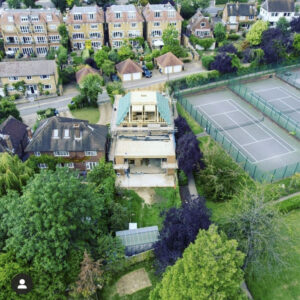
[
  {"x": 204, "y": 43},
  {"x": 289, "y": 204},
  {"x": 148, "y": 58},
  {"x": 183, "y": 179},
  {"x": 207, "y": 60},
  {"x": 186, "y": 60},
  {"x": 214, "y": 74},
  {"x": 155, "y": 53},
  {"x": 149, "y": 65},
  {"x": 85, "y": 54},
  {"x": 233, "y": 36},
  {"x": 67, "y": 75},
  {"x": 77, "y": 60},
  {"x": 73, "y": 54},
  {"x": 47, "y": 93}
]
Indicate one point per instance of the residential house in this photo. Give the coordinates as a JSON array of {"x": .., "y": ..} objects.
[
  {"x": 30, "y": 30},
  {"x": 239, "y": 15},
  {"x": 14, "y": 137},
  {"x": 143, "y": 142},
  {"x": 273, "y": 10},
  {"x": 129, "y": 70},
  {"x": 84, "y": 71},
  {"x": 37, "y": 75},
  {"x": 79, "y": 143},
  {"x": 86, "y": 27},
  {"x": 199, "y": 26},
  {"x": 125, "y": 22},
  {"x": 158, "y": 17},
  {"x": 169, "y": 63},
  {"x": 138, "y": 240}
]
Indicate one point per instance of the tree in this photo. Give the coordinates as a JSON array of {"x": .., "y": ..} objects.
[
  {"x": 20, "y": 86},
  {"x": 60, "y": 4},
  {"x": 108, "y": 67},
  {"x": 99, "y": 57},
  {"x": 207, "y": 61},
  {"x": 64, "y": 35},
  {"x": 254, "y": 35},
  {"x": 8, "y": 108},
  {"x": 223, "y": 63},
  {"x": 90, "y": 277},
  {"x": 115, "y": 88},
  {"x": 188, "y": 8},
  {"x": 114, "y": 56},
  {"x": 91, "y": 62},
  {"x": 180, "y": 228},
  {"x": 14, "y": 3},
  {"x": 220, "y": 32},
  {"x": 182, "y": 127},
  {"x": 283, "y": 25},
  {"x": 209, "y": 269},
  {"x": 29, "y": 3},
  {"x": 188, "y": 153},
  {"x": 13, "y": 173},
  {"x": 91, "y": 88},
  {"x": 51, "y": 221},
  {"x": 171, "y": 42},
  {"x": 296, "y": 43},
  {"x": 295, "y": 25},
  {"x": 125, "y": 52},
  {"x": 62, "y": 56},
  {"x": 256, "y": 225},
  {"x": 228, "y": 48}
]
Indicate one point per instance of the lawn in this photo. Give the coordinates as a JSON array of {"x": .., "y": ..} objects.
[
  {"x": 91, "y": 114},
  {"x": 286, "y": 285}
]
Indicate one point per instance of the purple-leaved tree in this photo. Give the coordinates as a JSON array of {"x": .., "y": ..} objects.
[{"x": 182, "y": 127}]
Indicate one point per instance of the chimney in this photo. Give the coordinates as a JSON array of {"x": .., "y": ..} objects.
[
  {"x": 9, "y": 144},
  {"x": 29, "y": 132},
  {"x": 178, "y": 8}
]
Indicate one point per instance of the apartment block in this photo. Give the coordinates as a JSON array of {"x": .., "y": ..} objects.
[
  {"x": 158, "y": 17},
  {"x": 30, "y": 30},
  {"x": 125, "y": 22},
  {"x": 86, "y": 25}
]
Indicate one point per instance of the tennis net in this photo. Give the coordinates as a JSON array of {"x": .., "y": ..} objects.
[{"x": 241, "y": 125}]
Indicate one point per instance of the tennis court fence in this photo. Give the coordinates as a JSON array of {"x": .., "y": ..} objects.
[
  {"x": 233, "y": 149},
  {"x": 289, "y": 78},
  {"x": 267, "y": 108}
]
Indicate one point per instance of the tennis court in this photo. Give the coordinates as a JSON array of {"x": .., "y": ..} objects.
[
  {"x": 292, "y": 76},
  {"x": 259, "y": 139},
  {"x": 283, "y": 97}
]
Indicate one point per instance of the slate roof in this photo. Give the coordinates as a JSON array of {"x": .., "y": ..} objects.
[
  {"x": 124, "y": 10},
  {"x": 93, "y": 136},
  {"x": 241, "y": 9},
  {"x": 279, "y": 5},
  {"x": 27, "y": 68},
  {"x": 196, "y": 20},
  {"x": 84, "y": 71},
  {"x": 149, "y": 9},
  {"x": 85, "y": 11},
  {"x": 15, "y": 129},
  {"x": 128, "y": 66},
  {"x": 168, "y": 59}
]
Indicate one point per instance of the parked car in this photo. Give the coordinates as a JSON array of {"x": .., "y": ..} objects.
[
  {"x": 115, "y": 77},
  {"x": 146, "y": 72},
  {"x": 10, "y": 54}
]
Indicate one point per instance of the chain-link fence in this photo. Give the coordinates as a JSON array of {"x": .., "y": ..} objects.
[
  {"x": 289, "y": 77},
  {"x": 233, "y": 149}
]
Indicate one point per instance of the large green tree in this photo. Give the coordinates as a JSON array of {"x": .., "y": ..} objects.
[
  {"x": 108, "y": 67},
  {"x": 64, "y": 35},
  {"x": 8, "y": 108},
  {"x": 90, "y": 87},
  {"x": 171, "y": 42},
  {"x": 55, "y": 214},
  {"x": 220, "y": 32},
  {"x": 209, "y": 269},
  {"x": 62, "y": 56},
  {"x": 254, "y": 35},
  {"x": 99, "y": 57},
  {"x": 14, "y": 3}
]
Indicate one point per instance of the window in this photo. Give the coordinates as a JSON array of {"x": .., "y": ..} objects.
[
  {"x": 202, "y": 24},
  {"x": 95, "y": 35},
  {"x": 94, "y": 26},
  {"x": 251, "y": 17},
  {"x": 156, "y": 24},
  {"x": 61, "y": 153},
  {"x": 47, "y": 86},
  {"x": 38, "y": 28},
  {"x": 117, "y": 34},
  {"x": 54, "y": 38},
  {"x": 24, "y": 19},
  {"x": 133, "y": 24},
  {"x": 43, "y": 166},
  {"x": 78, "y": 17},
  {"x": 41, "y": 50},
  {"x": 118, "y": 15},
  {"x": 10, "y": 88},
  {"x": 44, "y": 76},
  {"x": 96, "y": 44},
  {"x": 157, "y": 14},
  {"x": 91, "y": 16},
  {"x": 10, "y": 18},
  {"x": 70, "y": 165},
  {"x": 13, "y": 78},
  {"x": 24, "y": 29},
  {"x": 117, "y": 44},
  {"x": 117, "y": 25},
  {"x": 27, "y": 51},
  {"x": 37, "y": 153},
  {"x": 35, "y": 18},
  {"x": 173, "y": 23},
  {"x": 49, "y": 18},
  {"x": 41, "y": 39},
  {"x": 171, "y": 14},
  {"x": 26, "y": 40},
  {"x": 76, "y": 26},
  {"x": 9, "y": 28},
  {"x": 273, "y": 15},
  {"x": 55, "y": 134},
  {"x": 131, "y": 15},
  {"x": 90, "y": 165},
  {"x": 29, "y": 77},
  {"x": 156, "y": 33},
  {"x": 52, "y": 27},
  {"x": 90, "y": 153},
  {"x": 78, "y": 36},
  {"x": 133, "y": 34}
]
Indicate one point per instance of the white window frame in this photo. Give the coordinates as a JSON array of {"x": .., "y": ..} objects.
[
  {"x": 94, "y": 26},
  {"x": 133, "y": 25},
  {"x": 131, "y": 14},
  {"x": 76, "y": 26},
  {"x": 78, "y": 36},
  {"x": 49, "y": 18},
  {"x": 90, "y": 153},
  {"x": 38, "y": 28},
  {"x": 43, "y": 166},
  {"x": 157, "y": 14},
  {"x": 117, "y": 25},
  {"x": 118, "y": 34},
  {"x": 95, "y": 35},
  {"x": 47, "y": 86},
  {"x": 41, "y": 39},
  {"x": 37, "y": 153},
  {"x": 156, "y": 24},
  {"x": 91, "y": 16},
  {"x": 69, "y": 165},
  {"x": 66, "y": 133},
  {"x": 35, "y": 18},
  {"x": 44, "y": 76},
  {"x": 24, "y": 28},
  {"x": 61, "y": 153},
  {"x": 91, "y": 164},
  {"x": 10, "y": 18},
  {"x": 171, "y": 14},
  {"x": 13, "y": 78},
  {"x": 54, "y": 38},
  {"x": 77, "y": 17},
  {"x": 24, "y": 18},
  {"x": 52, "y": 26},
  {"x": 118, "y": 15},
  {"x": 55, "y": 134}
]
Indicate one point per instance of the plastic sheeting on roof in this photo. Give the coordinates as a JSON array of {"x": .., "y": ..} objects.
[
  {"x": 163, "y": 108},
  {"x": 124, "y": 105}
]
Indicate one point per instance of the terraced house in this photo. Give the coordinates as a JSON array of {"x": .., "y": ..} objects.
[
  {"x": 125, "y": 22},
  {"x": 85, "y": 26},
  {"x": 30, "y": 30},
  {"x": 158, "y": 17}
]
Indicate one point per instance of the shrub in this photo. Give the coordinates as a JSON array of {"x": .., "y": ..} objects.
[
  {"x": 77, "y": 60},
  {"x": 85, "y": 54},
  {"x": 47, "y": 93},
  {"x": 67, "y": 75},
  {"x": 204, "y": 43},
  {"x": 155, "y": 53},
  {"x": 148, "y": 58},
  {"x": 183, "y": 179},
  {"x": 149, "y": 65},
  {"x": 73, "y": 54},
  {"x": 233, "y": 36},
  {"x": 289, "y": 204},
  {"x": 193, "y": 80},
  {"x": 207, "y": 60},
  {"x": 213, "y": 74},
  {"x": 186, "y": 60}
]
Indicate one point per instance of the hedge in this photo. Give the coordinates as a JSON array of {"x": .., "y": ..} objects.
[
  {"x": 218, "y": 2},
  {"x": 289, "y": 204},
  {"x": 207, "y": 60},
  {"x": 233, "y": 36}
]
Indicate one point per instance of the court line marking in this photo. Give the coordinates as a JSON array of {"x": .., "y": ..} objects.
[
  {"x": 275, "y": 156},
  {"x": 226, "y": 112},
  {"x": 256, "y": 141},
  {"x": 215, "y": 102}
]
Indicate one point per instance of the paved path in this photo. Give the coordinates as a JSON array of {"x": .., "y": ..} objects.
[
  {"x": 192, "y": 186},
  {"x": 285, "y": 198},
  {"x": 204, "y": 133}
]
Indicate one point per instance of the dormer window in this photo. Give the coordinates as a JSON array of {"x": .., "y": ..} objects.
[
  {"x": 55, "y": 134},
  {"x": 118, "y": 15},
  {"x": 91, "y": 16},
  {"x": 66, "y": 133},
  {"x": 61, "y": 153},
  {"x": 203, "y": 24},
  {"x": 171, "y": 14},
  {"x": 77, "y": 16},
  {"x": 157, "y": 14},
  {"x": 131, "y": 15},
  {"x": 34, "y": 18},
  {"x": 24, "y": 19},
  {"x": 49, "y": 18}
]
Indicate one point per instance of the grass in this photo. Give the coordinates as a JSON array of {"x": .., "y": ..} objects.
[
  {"x": 286, "y": 284},
  {"x": 195, "y": 127},
  {"x": 90, "y": 114},
  {"x": 289, "y": 204}
]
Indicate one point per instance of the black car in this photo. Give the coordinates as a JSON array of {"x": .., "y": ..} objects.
[
  {"x": 146, "y": 72},
  {"x": 115, "y": 77}
]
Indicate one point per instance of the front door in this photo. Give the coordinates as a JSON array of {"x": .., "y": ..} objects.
[{"x": 31, "y": 89}]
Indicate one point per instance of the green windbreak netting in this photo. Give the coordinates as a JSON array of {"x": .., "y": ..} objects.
[
  {"x": 123, "y": 108},
  {"x": 163, "y": 108}
]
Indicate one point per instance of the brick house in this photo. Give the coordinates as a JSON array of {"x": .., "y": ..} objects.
[
  {"x": 239, "y": 15},
  {"x": 199, "y": 26},
  {"x": 125, "y": 22},
  {"x": 81, "y": 144},
  {"x": 30, "y": 30},
  {"x": 14, "y": 137}
]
